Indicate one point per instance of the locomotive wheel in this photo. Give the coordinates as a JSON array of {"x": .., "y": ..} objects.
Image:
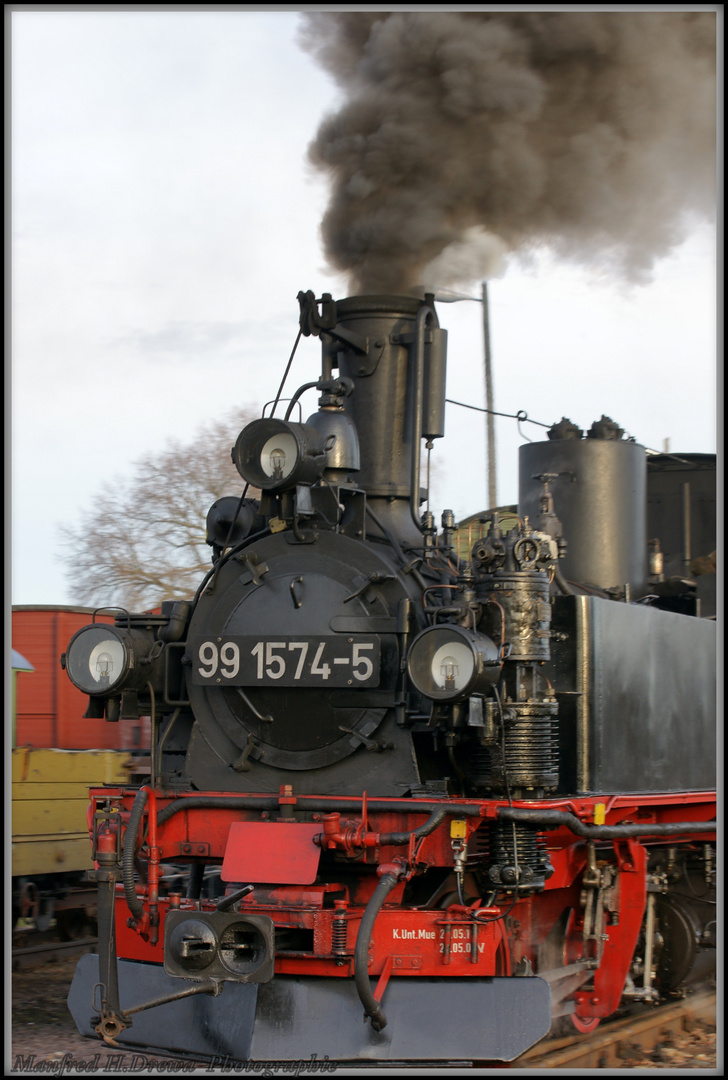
[
  {"x": 584, "y": 1026},
  {"x": 574, "y": 950},
  {"x": 564, "y": 946},
  {"x": 29, "y": 900}
]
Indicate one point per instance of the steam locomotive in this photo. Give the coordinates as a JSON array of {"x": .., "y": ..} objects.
[{"x": 462, "y": 797}]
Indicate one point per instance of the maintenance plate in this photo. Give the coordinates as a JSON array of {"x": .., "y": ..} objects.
[{"x": 335, "y": 660}]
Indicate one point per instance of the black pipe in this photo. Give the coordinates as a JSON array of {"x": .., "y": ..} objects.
[
  {"x": 271, "y": 802},
  {"x": 133, "y": 902},
  {"x": 201, "y": 988},
  {"x": 562, "y": 583},
  {"x": 548, "y": 819},
  {"x": 425, "y": 314},
  {"x": 297, "y": 395},
  {"x": 435, "y": 818},
  {"x": 372, "y": 1008},
  {"x": 554, "y": 819},
  {"x": 387, "y": 534}
]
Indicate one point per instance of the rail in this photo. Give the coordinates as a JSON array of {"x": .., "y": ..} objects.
[
  {"x": 44, "y": 952},
  {"x": 614, "y": 1043}
]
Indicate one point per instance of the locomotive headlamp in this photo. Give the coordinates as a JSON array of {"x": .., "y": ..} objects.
[
  {"x": 448, "y": 662},
  {"x": 102, "y": 660},
  {"x": 276, "y": 455}
]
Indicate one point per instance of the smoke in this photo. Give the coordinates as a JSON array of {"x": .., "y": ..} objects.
[
  {"x": 467, "y": 135},
  {"x": 477, "y": 255}
]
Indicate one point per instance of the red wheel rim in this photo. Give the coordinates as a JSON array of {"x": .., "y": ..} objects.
[
  {"x": 585, "y": 1026},
  {"x": 572, "y": 952}
]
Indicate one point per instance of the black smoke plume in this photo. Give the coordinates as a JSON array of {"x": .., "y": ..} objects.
[{"x": 466, "y": 135}]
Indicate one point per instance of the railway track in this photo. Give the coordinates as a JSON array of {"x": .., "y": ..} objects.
[
  {"x": 46, "y": 951},
  {"x": 621, "y": 1041}
]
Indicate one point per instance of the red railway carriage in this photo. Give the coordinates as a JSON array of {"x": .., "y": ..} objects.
[{"x": 462, "y": 797}]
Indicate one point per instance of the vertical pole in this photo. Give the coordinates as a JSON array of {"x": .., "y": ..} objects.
[
  {"x": 649, "y": 940},
  {"x": 14, "y": 679},
  {"x": 55, "y": 689},
  {"x": 489, "y": 418},
  {"x": 687, "y": 545}
]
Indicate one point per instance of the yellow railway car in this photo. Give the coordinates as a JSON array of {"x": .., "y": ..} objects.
[{"x": 51, "y": 854}]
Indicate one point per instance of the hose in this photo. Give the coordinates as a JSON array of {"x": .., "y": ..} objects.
[
  {"x": 554, "y": 819},
  {"x": 308, "y": 803},
  {"x": 425, "y": 829},
  {"x": 133, "y": 902},
  {"x": 372, "y": 1008},
  {"x": 549, "y": 819},
  {"x": 562, "y": 583}
]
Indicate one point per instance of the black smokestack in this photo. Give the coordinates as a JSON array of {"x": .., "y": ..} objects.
[{"x": 465, "y": 135}]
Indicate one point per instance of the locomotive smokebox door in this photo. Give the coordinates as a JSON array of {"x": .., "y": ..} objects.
[{"x": 321, "y": 620}]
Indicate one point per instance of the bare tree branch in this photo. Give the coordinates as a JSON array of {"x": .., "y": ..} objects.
[{"x": 144, "y": 542}]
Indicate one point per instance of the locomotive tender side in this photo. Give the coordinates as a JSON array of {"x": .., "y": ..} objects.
[{"x": 406, "y": 767}]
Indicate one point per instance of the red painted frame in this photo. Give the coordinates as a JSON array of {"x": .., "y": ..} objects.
[{"x": 458, "y": 941}]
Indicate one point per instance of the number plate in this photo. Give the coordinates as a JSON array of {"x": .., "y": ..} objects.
[{"x": 338, "y": 660}]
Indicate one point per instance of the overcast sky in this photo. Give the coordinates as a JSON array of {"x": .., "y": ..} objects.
[{"x": 164, "y": 218}]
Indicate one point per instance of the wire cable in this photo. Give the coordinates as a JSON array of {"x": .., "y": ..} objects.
[{"x": 285, "y": 373}]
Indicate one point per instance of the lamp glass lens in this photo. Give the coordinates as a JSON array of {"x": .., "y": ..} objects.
[
  {"x": 278, "y": 455},
  {"x": 452, "y": 666},
  {"x": 95, "y": 659},
  {"x": 106, "y": 661}
]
